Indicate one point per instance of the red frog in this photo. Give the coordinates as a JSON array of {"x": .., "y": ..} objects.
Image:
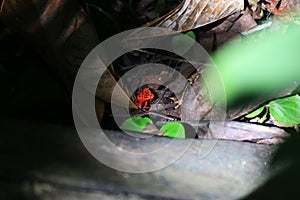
[{"x": 143, "y": 99}]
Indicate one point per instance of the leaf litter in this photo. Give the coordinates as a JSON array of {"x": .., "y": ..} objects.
[{"x": 212, "y": 32}]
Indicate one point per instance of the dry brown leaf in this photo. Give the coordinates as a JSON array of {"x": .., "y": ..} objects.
[
  {"x": 191, "y": 14},
  {"x": 99, "y": 107},
  {"x": 107, "y": 84}
]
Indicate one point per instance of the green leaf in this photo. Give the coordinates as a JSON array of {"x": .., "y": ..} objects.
[
  {"x": 261, "y": 14},
  {"x": 263, "y": 118},
  {"x": 182, "y": 43},
  {"x": 286, "y": 111},
  {"x": 191, "y": 34},
  {"x": 276, "y": 65},
  {"x": 136, "y": 123},
  {"x": 173, "y": 130},
  {"x": 255, "y": 113}
]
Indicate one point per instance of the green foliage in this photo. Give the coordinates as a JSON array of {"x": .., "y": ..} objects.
[
  {"x": 136, "y": 123},
  {"x": 255, "y": 112},
  {"x": 286, "y": 111},
  {"x": 260, "y": 66},
  {"x": 261, "y": 14},
  {"x": 191, "y": 34},
  {"x": 173, "y": 130},
  {"x": 182, "y": 43}
]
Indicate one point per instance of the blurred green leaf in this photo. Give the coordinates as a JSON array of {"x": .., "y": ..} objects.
[
  {"x": 173, "y": 130},
  {"x": 260, "y": 65},
  {"x": 136, "y": 124},
  {"x": 286, "y": 111}
]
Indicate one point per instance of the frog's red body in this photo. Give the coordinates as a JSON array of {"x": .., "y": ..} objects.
[{"x": 143, "y": 99}]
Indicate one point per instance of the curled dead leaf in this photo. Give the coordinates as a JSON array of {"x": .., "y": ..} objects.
[
  {"x": 191, "y": 14},
  {"x": 108, "y": 84}
]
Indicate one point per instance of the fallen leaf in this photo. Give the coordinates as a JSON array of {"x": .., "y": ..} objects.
[
  {"x": 99, "y": 107},
  {"x": 244, "y": 23},
  {"x": 107, "y": 84},
  {"x": 191, "y": 14},
  {"x": 281, "y": 7}
]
